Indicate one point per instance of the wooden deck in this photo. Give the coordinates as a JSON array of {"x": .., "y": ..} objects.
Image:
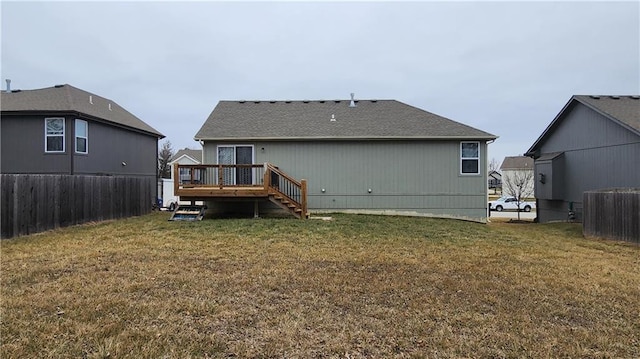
[{"x": 241, "y": 182}]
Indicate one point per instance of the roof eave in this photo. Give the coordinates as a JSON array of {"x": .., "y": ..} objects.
[
  {"x": 347, "y": 138},
  {"x": 82, "y": 114}
]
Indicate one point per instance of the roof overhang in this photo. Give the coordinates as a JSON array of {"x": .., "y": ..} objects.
[
  {"x": 352, "y": 138},
  {"x": 82, "y": 115}
]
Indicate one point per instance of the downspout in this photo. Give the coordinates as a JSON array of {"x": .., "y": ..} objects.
[
  {"x": 486, "y": 179},
  {"x": 72, "y": 148}
]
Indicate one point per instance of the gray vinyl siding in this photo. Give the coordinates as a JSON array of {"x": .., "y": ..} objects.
[
  {"x": 598, "y": 153},
  {"x": 23, "y": 149},
  {"x": 110, "y": 146},
  {"x": 421, "y": 177},
  {"x": 23, "y": 146}
]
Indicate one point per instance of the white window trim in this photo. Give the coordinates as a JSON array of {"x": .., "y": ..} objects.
[
  {"x": 86, "y": 138},
  {"x": 470, "y": 158},
  {"x": 47, "y": 135}
]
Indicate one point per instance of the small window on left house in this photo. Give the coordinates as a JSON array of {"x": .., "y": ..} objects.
[
  {"x": 54, "y": 134},
  {"x": 82, "y": 136}
]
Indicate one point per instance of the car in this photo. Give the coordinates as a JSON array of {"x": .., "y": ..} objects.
[{"x": 506, "y": 202}]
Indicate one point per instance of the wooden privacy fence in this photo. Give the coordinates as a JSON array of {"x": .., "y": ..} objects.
[
  {"x": 35, "y": 203},
  {"x": 612, "y": 214}
]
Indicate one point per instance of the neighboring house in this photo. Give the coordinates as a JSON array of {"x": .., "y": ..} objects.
[
  {"x": 368, "y": 156},
  {"x": 516, "y": 169},
  {"x": 69, "y": 156},
  {"x": 185, "y": 156},
  {"x": 66, "y": 130},
  {"x": 494, "y": 180},
  {"x": 166, "y": 187},
  {"x": 593, "y": 143}
]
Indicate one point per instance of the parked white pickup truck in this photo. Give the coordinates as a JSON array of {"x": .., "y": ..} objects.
[{"x": 505, "y": 203}]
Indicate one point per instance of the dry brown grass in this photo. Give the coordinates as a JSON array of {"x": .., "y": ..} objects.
[{"x": 355, "y": 287}]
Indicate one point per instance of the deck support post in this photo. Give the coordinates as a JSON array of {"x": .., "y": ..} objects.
[
  {"x": 256, "y": 208},
  {"x": 303, "y": 198}
]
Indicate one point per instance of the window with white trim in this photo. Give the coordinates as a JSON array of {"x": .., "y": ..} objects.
[
  {"x": 54, "y": 134},
  {"x": 82, "y": 136},
  {"x": 470, "y": 158}
]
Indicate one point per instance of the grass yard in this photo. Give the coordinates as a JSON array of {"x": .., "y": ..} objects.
[{"x": 354, "y": 287}]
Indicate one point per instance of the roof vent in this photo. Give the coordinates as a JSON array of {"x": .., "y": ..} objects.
[
  {"x": 242, "y": 101},
  {"x": 333, "y": 118},
  {"x": 287, "y": 101},
  {"x": 256, "y": 101},
  {"x": 58, "y": 86},
  {"x": 91, "y": 99},
  {"x": 595, "y": 97},
  {"x": 14, "y": 91},
  {"x": 272, "y": 101},
  {"x": 8, "y": 85},
  {"x": 635, "y": 97},
  {"x": 352, "y": 103},
  {"x": 374, "y": 101},
  {"x": 336, "y": 101},
  {"x": 305, "y": 101},
  {"x": 109, "y": 107},
  {"x": 615, "y": 97},
  {"x": 322, "y": 101}
]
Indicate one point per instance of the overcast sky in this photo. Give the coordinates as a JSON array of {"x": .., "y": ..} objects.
[{"x": 506, "y": 68}]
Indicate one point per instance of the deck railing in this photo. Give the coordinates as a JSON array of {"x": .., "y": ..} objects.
[
  {"x": 224, "y": 177},
  {"x": 282, "y": 184},
  {"x": 189, "y": 176}
]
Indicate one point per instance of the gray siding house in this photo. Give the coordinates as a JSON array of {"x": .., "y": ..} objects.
[
  {"x": 66, "y": 130},
  {"x": 593, "y": 143},
  {"x": 367, "y": 156}
]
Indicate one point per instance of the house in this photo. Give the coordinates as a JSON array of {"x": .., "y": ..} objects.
[
  {"x": 367, "y": 156},
  {"x": 66, "y": 130},
  {"x": 494, "y": 181},
  {"x": 166, "y": 186},
  {"x": 517, "y": 175},
  {"x": 593, "y": 143},
  {"x": 185, "y": 156},
  {"x": 69, "y": 156}
]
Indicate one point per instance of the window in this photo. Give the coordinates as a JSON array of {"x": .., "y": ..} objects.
[
  {"x": 470, "y": 157},
  {"x": 82, "y": 135},
  {"x": 54, "y": 134}
]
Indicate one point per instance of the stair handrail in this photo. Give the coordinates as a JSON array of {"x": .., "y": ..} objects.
[{"x": 301, "y": 185}]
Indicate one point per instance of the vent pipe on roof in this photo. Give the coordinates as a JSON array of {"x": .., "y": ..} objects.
[
  {"x": 353, "y": 102},
  {"x": 8, "y": 85},
  {"x": 91, "y": 99}
]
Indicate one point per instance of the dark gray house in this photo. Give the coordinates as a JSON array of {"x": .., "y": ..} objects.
[
  {"x": 70, "y": 157},
  {"x": 65, "y": 130},
  {"x": 593, "y": 143},
  {"x": 367, "y": 156}
]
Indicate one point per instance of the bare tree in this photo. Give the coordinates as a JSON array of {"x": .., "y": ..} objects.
[
  {"x": 493, "y": 165},
  {"x": 519, "y": 185},
  {"x": 164, "y": 156}
]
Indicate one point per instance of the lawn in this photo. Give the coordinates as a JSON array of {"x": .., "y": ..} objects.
[{"x": 353, "y": 287}]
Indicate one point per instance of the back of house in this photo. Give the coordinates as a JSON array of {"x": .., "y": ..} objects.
[{"x": 366, "y": 156}]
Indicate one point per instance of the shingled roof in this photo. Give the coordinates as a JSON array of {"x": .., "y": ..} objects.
[
  {"x": 331, "y": 119},
  {"x": 517, "y": 163},
  {"x": 623, "y": 110},
  {"x": 63, "y": 98},
  {"x": 194, "y": 154}
]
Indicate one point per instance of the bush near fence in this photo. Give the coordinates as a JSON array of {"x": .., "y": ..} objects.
[
  {"x": 36, "y": 203},
  {"x": 612, "y": 214}
]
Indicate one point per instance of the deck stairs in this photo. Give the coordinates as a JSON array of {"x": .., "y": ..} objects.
[
  {"x": 188, "y": 213},
  {"x": 287, "y": 204}
]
